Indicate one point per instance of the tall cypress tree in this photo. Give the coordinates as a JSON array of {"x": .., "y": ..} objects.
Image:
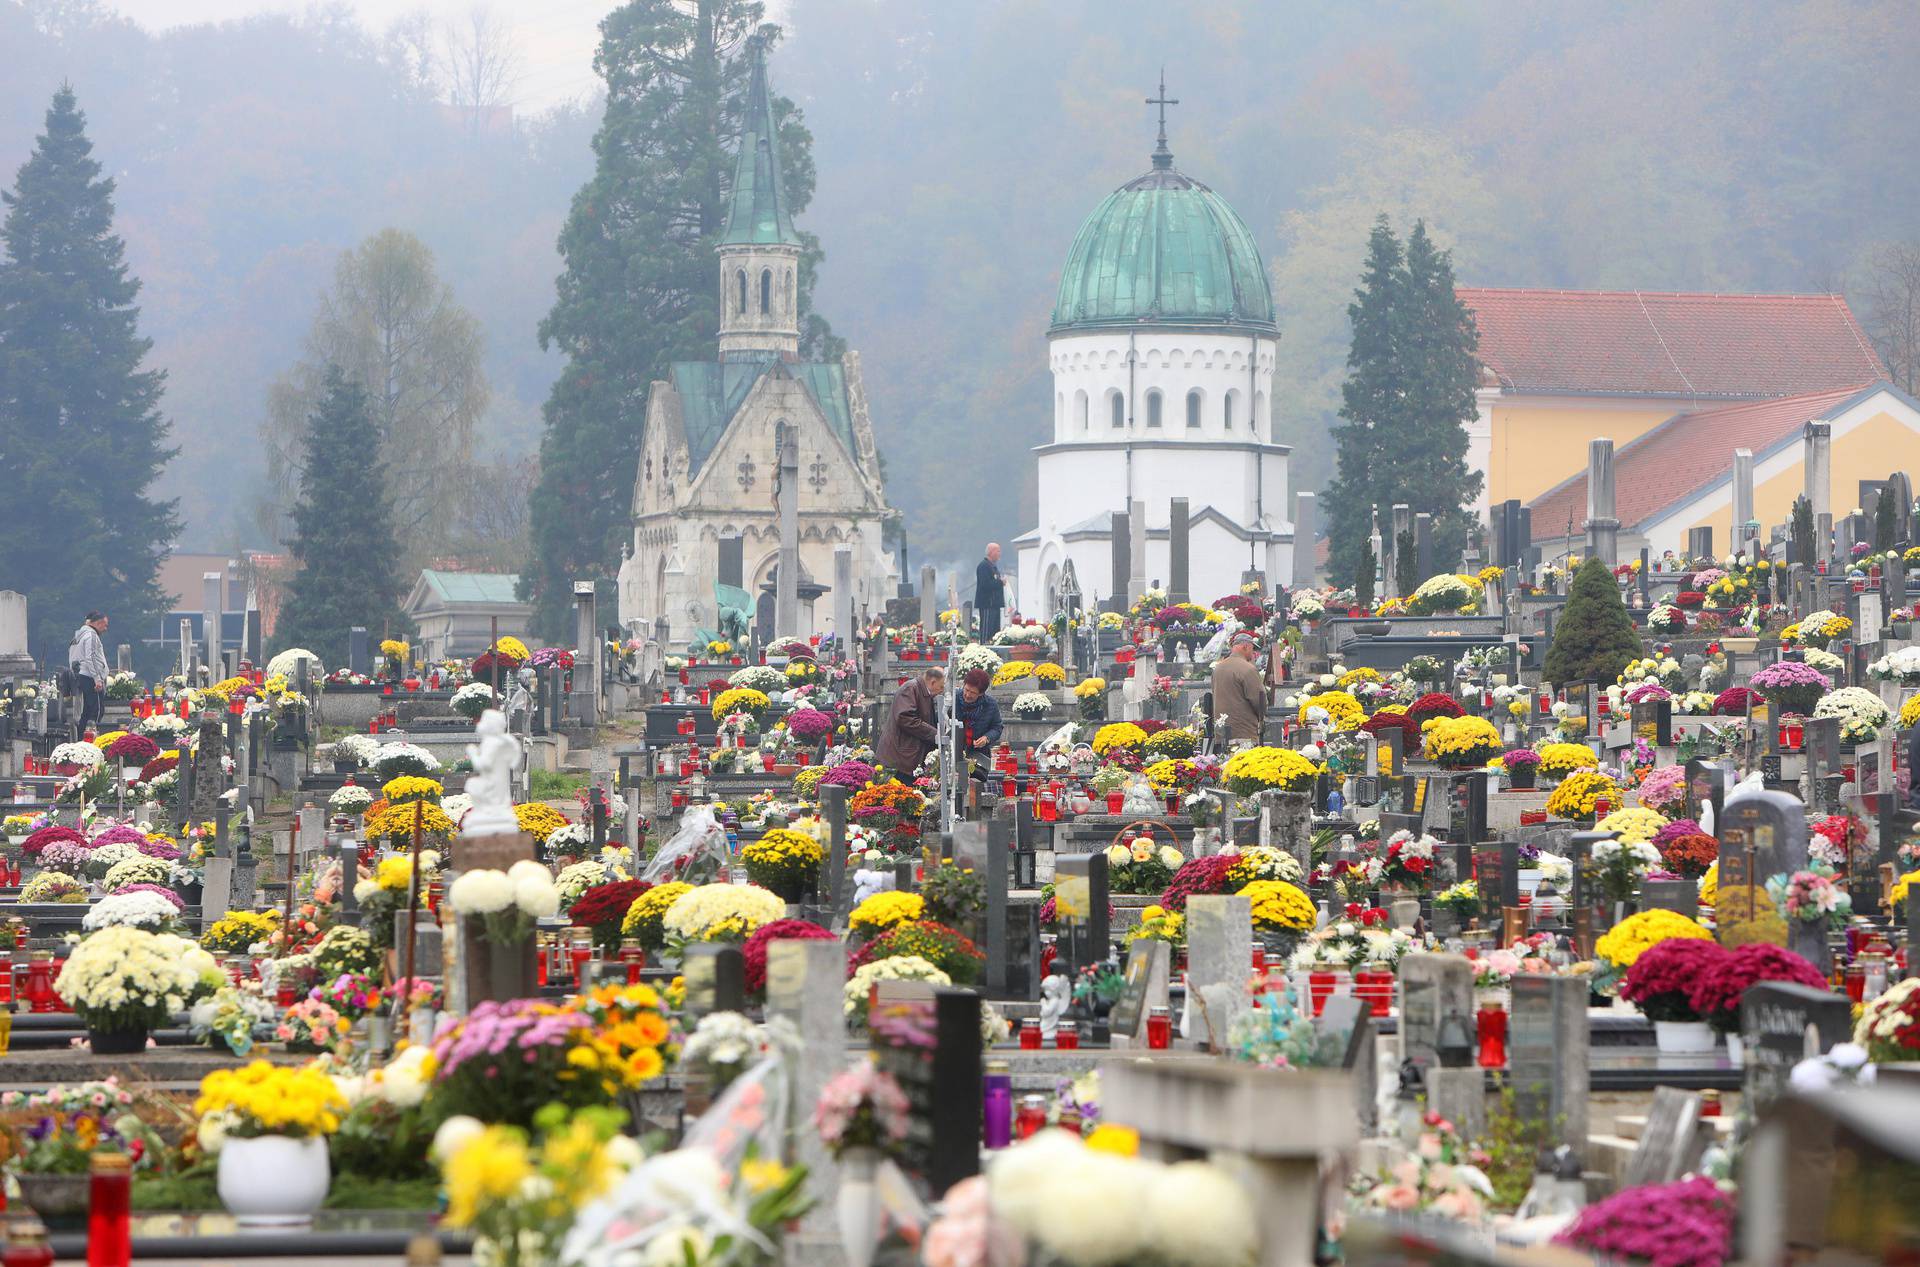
[
  {"x": 1438, "y": 375},
  {"x": 1411, "y": 374},
  {"x": 641, "y": 284},
  {"x": 344, "y": 547},
  {"x": 1367, "y": 400},
  {"x": 80, "y": 421}
]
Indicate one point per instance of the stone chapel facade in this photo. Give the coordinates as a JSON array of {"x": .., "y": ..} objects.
[{"x": 710, "y": 447}]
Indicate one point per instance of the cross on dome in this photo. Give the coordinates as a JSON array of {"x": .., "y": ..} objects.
[{"x": 1162, "y": 156}]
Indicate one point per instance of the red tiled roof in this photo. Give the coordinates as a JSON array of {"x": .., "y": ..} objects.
[
  {"x": 1649, "y": 343},
  {"x": 1680, "y": 456}
]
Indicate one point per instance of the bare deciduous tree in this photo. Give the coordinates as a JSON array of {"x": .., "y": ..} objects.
[
  {"x": 481, "y": 63},
  {"x": 1892, "y": 309}
]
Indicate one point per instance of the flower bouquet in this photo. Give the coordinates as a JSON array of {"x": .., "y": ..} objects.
[
  {"x": 1403, "y": 860},
  {"x": 858, "y": 994},
  {"x": 1623, "y": 944},
  {"x": 1031, "y": 705},
  {"x": 1812, "y": 896},
  {"x": 237, "y": 932},
  {"x": 1618, "y": 866},
  {"x": 1889, "y": 1026},
  {"x": 1522, "y": 766},
  {"x": 861, "y": 1107},
  {"x": 947, "y": 949},
  {"x": 1441, "y": 1175},
  {"x": 1137, "y": 866},
  {"x": 1861, "y": 713}
]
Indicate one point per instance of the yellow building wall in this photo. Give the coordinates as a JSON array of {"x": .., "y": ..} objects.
[
  {"x": 1872, "y": 450},
  {"x": 1538, "y": 446}
]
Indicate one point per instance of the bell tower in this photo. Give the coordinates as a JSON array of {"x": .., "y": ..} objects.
[{"x": 759, "y": 250}]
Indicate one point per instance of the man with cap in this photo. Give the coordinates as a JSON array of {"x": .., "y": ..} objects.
[{"x": 1238, "y": 693}]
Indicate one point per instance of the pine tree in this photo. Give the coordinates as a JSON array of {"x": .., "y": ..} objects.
[
  {"x": 80, "y": 421},
  {"x": 344, "y": 546},
  {"x": 1594, "y": 637},
  {"x": 1366, "y": 403},
  {"x": 641, "y": 284}
]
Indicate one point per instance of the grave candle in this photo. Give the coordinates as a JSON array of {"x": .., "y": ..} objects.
[
  {"x": 997, "y": 1105},
  {"x": 1159, "y": 1028},
  {"x": 109, "y": 1238},
  {"x": 1066, "y": 1036}
]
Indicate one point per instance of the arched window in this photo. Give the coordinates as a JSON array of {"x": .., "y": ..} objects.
[
  {"x": 766, "y": 291},
  {"x": 1193, "y": 410},
  {"x": 1080, "y": 409},
  {"x": 1226, "y": 411},
  {"x": 1153, "y": 408},
  {"x": 740, "y": 303},
  {"x": 1119, "y": 406}
]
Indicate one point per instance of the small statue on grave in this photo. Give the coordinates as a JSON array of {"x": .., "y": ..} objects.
[
  {"x": 1140, "y": 799},
  {"x": 496, "y": 758},
  {"x": 1056, "y": 996},
  {"x": 520, "y": 695}
]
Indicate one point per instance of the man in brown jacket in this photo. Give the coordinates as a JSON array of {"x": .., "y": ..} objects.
[
  {"x": 909, "y": 733},
  {"x": 1238, "y": 693}
]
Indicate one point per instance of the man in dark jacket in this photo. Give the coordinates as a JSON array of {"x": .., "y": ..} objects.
[
  {"x": 989, "y": 592},
  {"x": 909, "y": 733},
  {"x": 979, "y": 713}
]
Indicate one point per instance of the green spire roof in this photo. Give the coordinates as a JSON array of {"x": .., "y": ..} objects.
[
  {"x": 758, "y": 213},
  {"x": 1165, "y": 249}
]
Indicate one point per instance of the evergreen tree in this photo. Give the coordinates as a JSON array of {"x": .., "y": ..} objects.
[
  {"x": 1594, "y": 637},
  {"x": 1409, "y": 390},
  {"x": 641, "y": 283},
  {"x": 344, "y": 546},
  {"x": 80, "y": 421},
  {"x": 1366, "y": 403},
  {"x": 1886, "y": 520},
  {"x": 1438, "y": 374}
]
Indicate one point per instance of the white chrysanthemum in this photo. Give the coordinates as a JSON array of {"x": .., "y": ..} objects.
[
  {"x": 1226, "y": 1236},
  {"x": 536, "y": 895},
  {"x": 134, "y": 910},
  {"x": 80, "y": 754},
  {"x": 893, "y": 968},
  {"x": 481, "y": 893},
  {"x": 286, "y": 665},
  {"x": 578, "y": 878},
  {"x": 697, "y": 910},
  {"x": 350, "y": 799},
  {"x": 1025, "y": 1183}
]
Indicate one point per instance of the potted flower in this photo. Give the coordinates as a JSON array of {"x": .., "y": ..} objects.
[
  {"x": 1720, "y": 985},
  {"x": 474, "y": 699},
  {"x": 123, "y": 981},
  {"x": 785, "y": 861},
  {"x": 1032, "y": 706},
  {"x": 1110, "y": 781},
  {"x": 507, "y": 903},
  {"x": 1522, "y": 764},
  {"x": 1791, "y": 687},
  {"x": 56, "y": 1133},
  {"x": 1281, "y": 912},
  {"x": 1459, "y": 743},
  {"x": 270, "y": 1125},
  {"x": 1660, "y": 983},
  {"x": 1686, "y": 1222}
]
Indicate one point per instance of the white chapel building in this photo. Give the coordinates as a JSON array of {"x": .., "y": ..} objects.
[
  {"x": 709, "y": 449},
  {"x": 1162, "y": 349}
]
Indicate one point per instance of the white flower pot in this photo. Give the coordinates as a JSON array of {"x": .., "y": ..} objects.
[
  {"x": 858, "y": 1205},
  {"x": 273, "y": 1180},
  {"x": 1682, "y": 1037}
]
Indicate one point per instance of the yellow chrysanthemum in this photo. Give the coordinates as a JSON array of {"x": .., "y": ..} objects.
[
  {"x": 1343, "y": 708},
  {"x": 1578, "y": 793},
  {"x": 1119, "y": 734},
  {"x": 1279, "y": 905},
  {"x": 1633, "y": 936},
  {"x": 1564, "y": 758},
  {"x": 1265, "y": 769},
  {"x": 883, "y": 910}
]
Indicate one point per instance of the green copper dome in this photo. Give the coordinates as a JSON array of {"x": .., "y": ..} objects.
[{"x": 1163, "y": 249}]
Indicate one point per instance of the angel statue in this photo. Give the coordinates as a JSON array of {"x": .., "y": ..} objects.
[{"x": 496, "y": 758}]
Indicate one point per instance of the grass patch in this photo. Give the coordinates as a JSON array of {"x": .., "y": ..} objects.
[{"x": 554, "y": 785}]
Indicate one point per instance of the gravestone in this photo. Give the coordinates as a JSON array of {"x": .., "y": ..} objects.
[
  {"x": 1782, "y": 1024},
  {"x": 1122, "y": 558},
  {"x": 15, "y": 659},
  {"x": 359, "y": 660},
  {"x": 1423, "y": 544},
  {"x": 209, "y": 777},
  {"x": 1744, "y": 523},
  {"x": 1681, "y": 896},
  {"x": 1547, "y": 1055},
  {"x": 929, "y": 602},
  {"x": 1672, "y": 1141},
  {"x": 1137, "y": 550},
  {"x": 1434, "y": 990},
  {"x": 1080, "y": 908},
  {"x": 941, "y": 1081},
  {"x": 715, "y": 975},
  {"x": 1147, "y": 971},
  {"x": 1177, "y": 530},
  {"x": 1761, "y": 834},
  {"x": 806, "y": 985},
  {"x": 1219, "y": 958},
  {"x": 1347, "y": 1041}
]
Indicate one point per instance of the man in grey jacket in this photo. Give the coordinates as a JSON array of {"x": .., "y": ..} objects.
[{"x": 87, "y": 657}]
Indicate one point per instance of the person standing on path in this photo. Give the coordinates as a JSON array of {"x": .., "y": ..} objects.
[
  {"x": 87, "y": 657},
  {"x": 910, "y": 732},
  {"x": 989, "y": 592},
  {"x": 1238, "y": 693}
]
